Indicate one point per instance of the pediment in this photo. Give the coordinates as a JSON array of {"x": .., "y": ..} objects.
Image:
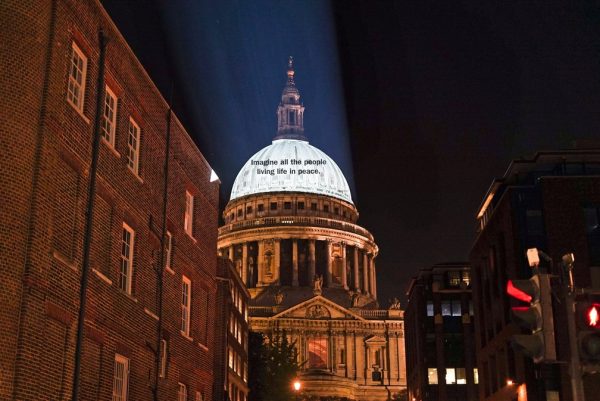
[
  {"x": 318, "y": 307},
  {"x": 375, "y": 340}
]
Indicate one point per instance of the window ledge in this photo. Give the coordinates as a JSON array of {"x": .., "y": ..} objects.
[
  {"x": 194, "y": 240},
  {"x": 110, "y": 147},
  {"x": 187, "y": 337},
  {"x": 129, "y": 296},
  {"x": 204, "y": 347},
  {"x": 136, "y": 175},
  {"x": 102, "y": 276},
  {"x": 169, "y": 270},
  {"x": 64, "y": 260},
  {"x": 151, "y": 314},
  {"x": 87, "y": 120}
]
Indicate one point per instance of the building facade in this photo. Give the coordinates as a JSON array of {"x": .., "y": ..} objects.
[
  {"x": 290, "y": 230},
  {"x": 231, "y": 336},
  {"x": 550, "y": 201},
  {"x": 151, "y": 276},
  {"x": 440, "y": 351}
]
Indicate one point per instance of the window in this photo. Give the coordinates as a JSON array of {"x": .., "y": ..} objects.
[
  {"x": 326, "y": 208},
  {"x": 126, "y": 272},
  {"x": 133, "y": 147},
  {"x": 429, "y": 308},
  {"x": 454, "y": 278},
  {"x": 120, "y": 378},
  {"x": 261, "y": 207},
  {"x": 432, "y": 376},
  {"x": 456, "y": 308},
  {"x": 287, "y": 205},
  {"x": 461, "y": 376},
  {"x": 198, "y": 396},
  {"x": 186, "y": 299},
  {"x": 466, "y": 277},
  {"x": 336, "y": 210},
  {"x": 168, "y": 250},
  {"x": 248, "y": 209},
  {"x": 273, "y": 205},
  {"x": 446, "y": 308},
  {"x": 163, "y": 358},
  {"x": 240, "y": 212},
  {"x": 182, "y": 393},
  {"x": 189, "y": 213},
  {"x": 450, "y": 376},
  {"x": 317, "y": 353},
  {"x": 475, "y": 376},
  {"x": 300, "y": 205},
  {"x": 292, "y": 117},
  {"x": 77, "y": 73},
  {"x": 109, "y": 117},
  {"x": 313, "y": 206}
]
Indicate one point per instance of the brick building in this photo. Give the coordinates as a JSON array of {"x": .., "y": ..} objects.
[
  {"x": 231, "y": 336},
  {"x": 550, "y": 201},
  {"x": 50, "y": 64},
  {"x": 440, "y": 355}
]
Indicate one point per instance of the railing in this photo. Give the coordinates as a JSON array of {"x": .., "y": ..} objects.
[
  {"x": 373, "y": 313},
  {"x": 297, "y": 221}
]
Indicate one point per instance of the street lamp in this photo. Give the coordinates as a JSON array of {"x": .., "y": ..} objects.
[{"x": 297, "y": 386}]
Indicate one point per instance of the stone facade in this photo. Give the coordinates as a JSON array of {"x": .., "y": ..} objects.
[
  {"x": 310, "y": 269},
  {"x": 50, "y": 60}
]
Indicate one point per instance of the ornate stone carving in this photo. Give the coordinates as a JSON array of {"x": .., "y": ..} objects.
[
  {"x": 317, "y": 312},
  {"x": 278, "y": 297}
]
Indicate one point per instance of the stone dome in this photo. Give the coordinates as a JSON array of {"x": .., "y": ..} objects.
[{"x": 291, "y": 165}]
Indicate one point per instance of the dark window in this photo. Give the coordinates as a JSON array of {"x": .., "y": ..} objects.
[
  {"x": 592, "y": 230},
  {"x": 261, "y": 207},
  {"x": 248, "y": 209},
  {"x": 287, "y": 205},
  {"x": 326, "y": 208},
  {"x": 292, "y": 117},
  {"x": 300, "y": 205},
  {"x": 273, "y": 205},
  {"x": 336, "y": 210},
  {"x": 313, "y": 206},
  {"x": 240, "y": 213}
]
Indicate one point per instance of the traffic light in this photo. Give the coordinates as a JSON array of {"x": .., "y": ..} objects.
[
  {"x": 534, "y": 313},
  {"x": 588, "y": 337}
]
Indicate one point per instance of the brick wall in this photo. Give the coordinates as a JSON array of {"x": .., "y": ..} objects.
[{"x": 44, "y": 177}]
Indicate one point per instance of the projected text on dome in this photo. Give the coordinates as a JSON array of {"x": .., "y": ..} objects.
[{"x": 288, "y": 166}]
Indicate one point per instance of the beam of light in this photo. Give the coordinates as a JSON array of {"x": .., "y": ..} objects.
[{"x": 230, "y": 59}]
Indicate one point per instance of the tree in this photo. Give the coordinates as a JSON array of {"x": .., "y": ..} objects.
[{"x": 272, "y": 367}]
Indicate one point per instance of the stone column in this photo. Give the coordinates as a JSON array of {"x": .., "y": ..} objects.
[
  {"x": 295, "y": 262},
  {"x": 311, "y": 260},
  {"x": 365, "y": 273},
  {"x": 344, "y": 273},
  {"x": 230, "y": 253},
  {"x": 277, "y": 262},
  {"x": 356, "y": 276},
  {"x": 373, "y": 278},
  {"x": 260, "y": 264},
  {"x": 245, "y": 263},
  {"x": 329, "y": 283}
]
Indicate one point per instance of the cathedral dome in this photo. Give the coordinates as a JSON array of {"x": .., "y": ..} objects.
[{"x": 291, "y": 165}]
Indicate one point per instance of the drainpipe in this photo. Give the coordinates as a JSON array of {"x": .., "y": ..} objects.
[{"x": 85, "y": 271}]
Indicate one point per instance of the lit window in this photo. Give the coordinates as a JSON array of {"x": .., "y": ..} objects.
[
  {"x": 429, "y": 308},
  {"x": 466, "y": 278},
  {"x": 461, "y": 376},
  {"x": 450, "y": 376},
  {"x": 163, "y": 358},
  {"x": 77, "y": 73},
  {"x": 120, "y": 378},
  {"x": 126, "y": 272},
  {"x": 432, "y": 376},
  {"x": 475, "y": 376},
  {"x": 109, "y": 117},
  {"x": 446, "y": 308},
  {"x": 189, "y": 213},
  {"x": 317, "y": 353},
  {"x": 456, "y": 309},
  {"x": 182, "y": 393},
  {"x": 168, "y": 250},
  {"x": 133, "y": 147},
  {"x": 231, "y": 358},
  {"x": 186, "y": 299},
  {"x": 198, "y": 396},
  {"x": 454, "y": 278}
]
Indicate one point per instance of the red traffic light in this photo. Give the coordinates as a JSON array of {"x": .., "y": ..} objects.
[
  {"x": 592, "y": 316},
  {"x": 517, "y": 293}
]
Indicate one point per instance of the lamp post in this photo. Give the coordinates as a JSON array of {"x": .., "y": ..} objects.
[{"x": 297, "y": 386}]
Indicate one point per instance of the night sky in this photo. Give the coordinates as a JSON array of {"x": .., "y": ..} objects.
[{"x": 420, "y": 104}]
